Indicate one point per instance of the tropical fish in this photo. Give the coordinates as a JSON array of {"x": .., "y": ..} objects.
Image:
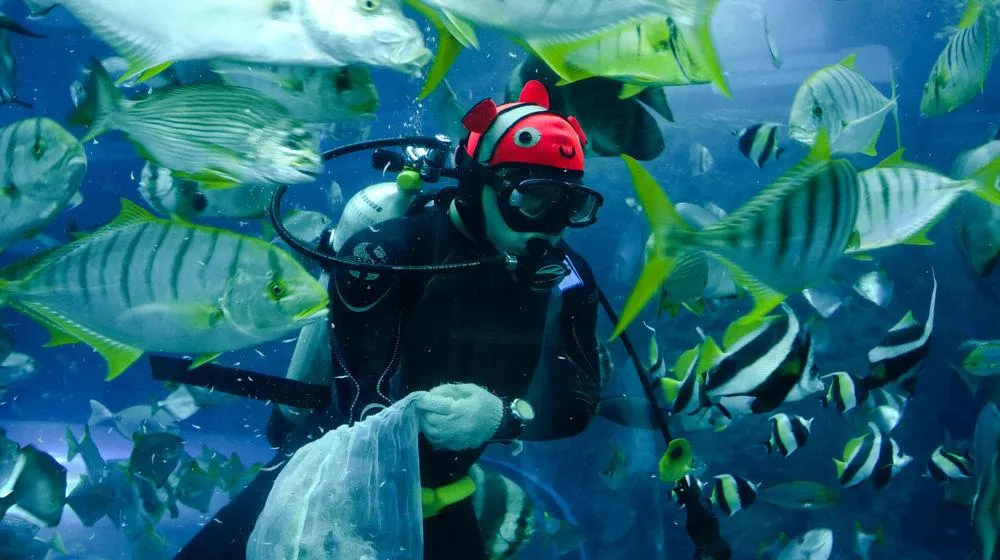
[
  {"x": 310, "y": 94},
  {"x": 885, "y": 409},
  {"x": 844, "y": 392},
  {"x": 155, "y": 456},
  {"x": 144, "y": 284},
  {"x": 788, "y": 433},
  {"x": 985, "y": 519},
  {"x": 769, "y": 244},
  {"x": 823, "y": 299},
  {"x": 816, "y": 544},
  {"x": 38, "y": 487},
  {"x": 733, "y": 493},
  {"x": 701, "y": 160},
  {"x": 505, "y": 512},
  {"x": 772, "y": 47},
  {"x": 88, "y": 451},
  {"x": 874, "y": 456},
  {"x": 330, "y": 34},
  {"x": 944, "y": 466},
  {"x": 959, "y": 73},
  {"x": 195, "y": 487},
  {"x": 613, "y": 126},
  {"x": 652, "y": 52},
  {"x": 981, "y": 357},
  {"x": 16, "y": 368},
  {"x": 863, "y": 540},
  {"x": 141, "y": 419},
  {"x": 18, "y": 539},
  {"x": 875, "y": 287},
  {"x": 43, "y": 166},
  {"x": 799, "y": 495},
  {"x": 899, "y": 357},
  {"x": 977, "y": 227},
  {"x": 218, "y": 135},
  {"x": 773, "y": 363},
  {"x": 182, "y": 198},
  {"x": 8, "y": 73},
  {"x": 841, "y": 101},
  {"x": 900, "y": 202},
  {"x": 759, "y": 142},
  {"x": 186, "y": 400}
]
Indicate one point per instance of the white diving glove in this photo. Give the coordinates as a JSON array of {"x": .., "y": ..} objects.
[{"x": 459, "y": 416}]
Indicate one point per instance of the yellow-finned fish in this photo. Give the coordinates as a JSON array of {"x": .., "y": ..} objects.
[
  {"x": 784, "y": 239},
  {"x": 959, "y": 74}
]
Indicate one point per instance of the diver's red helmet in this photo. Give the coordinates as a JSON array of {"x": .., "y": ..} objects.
[{"x": 524, "y": 132}]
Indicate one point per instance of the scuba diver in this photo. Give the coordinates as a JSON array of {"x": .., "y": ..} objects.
[{"x": 506, "y": 349}]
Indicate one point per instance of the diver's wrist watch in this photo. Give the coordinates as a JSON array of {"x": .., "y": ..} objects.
[{"x": 517, "y": 413}]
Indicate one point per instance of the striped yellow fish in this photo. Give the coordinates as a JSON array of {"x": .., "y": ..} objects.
[
  {"x": 784, "y": 239},
  {"x": 960, "y": 71},
  {"x": 220, "y": 136},
  {"x": 143, "y": 284}
]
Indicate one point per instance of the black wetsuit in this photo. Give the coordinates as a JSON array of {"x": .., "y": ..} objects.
[{"x": 392, "y": 335}]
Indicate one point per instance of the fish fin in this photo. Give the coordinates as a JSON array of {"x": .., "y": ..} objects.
[
  {"x": 697, "y": 306},
  {"x": 58, "y": 338},
  {"x": 102, "y": 103},
  {"x": 668, "y": 389},
  {"x": 920, "y": 238},
  {"x": 906, "y": 322},
  {"x": 663, "y": 218},
  {"x": 851, "y": 446},
  {"x": 196, "y": 317},
  {"x": 118, "y": 356},
  {"x": 656, "y": 99},
  {"x": 57, "y": 544},
  {"x": 742, "y": 327},
  {"x": 870, "y": 150},
  {"x": 554, "y": 55},
  {"x": 73, "y": 446},
  {"x": 710, "y": 353},
  {"x": 840, "y": 467},
  {"x": 850, "y": 62},
  {"x": 448, "y": 48},
  {"x": 211, "y": 179},
  {"x": 895, "y": 159},
  {"x": 99, "y": 413},
  {"x": 765, "y": 298},
  {"x": 460, "y": 30},
  {"x": 895, "y": 110},
  {"x": 144, "y": 72},
  {"x": 684, "y": 362},
  {"x": 863, "y": 257},
  {"x": 987, "y": 178},
  {"x": 971, "y": 14},
  {"x": 631, "y": 90},
  {"x": 204, "y": 359},
  {"x": 706, "y": 49}
]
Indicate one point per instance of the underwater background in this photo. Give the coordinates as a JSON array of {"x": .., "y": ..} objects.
[{"x": 635, "y": 519}]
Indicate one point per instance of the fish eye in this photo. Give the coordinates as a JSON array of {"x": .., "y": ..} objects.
[
  {"x": 527, "y": 137},
  {"x": 369, "y": 5},
  {"x": 343, "y": 80},
  {"x": 199, "y": 201},
  {"x": 817, "y": 112},
  {"x": 277, "y": 290}
]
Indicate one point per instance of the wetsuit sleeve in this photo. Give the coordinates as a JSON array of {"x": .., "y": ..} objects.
[{"x": 567, "y": 391}]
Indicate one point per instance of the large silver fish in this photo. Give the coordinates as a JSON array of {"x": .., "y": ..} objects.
[
  {"x": 42, "y": 166},
  {"x": 145, "y": 284}
]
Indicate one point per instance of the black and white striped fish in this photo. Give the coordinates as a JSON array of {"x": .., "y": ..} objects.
[
  {"x": 946, "y": 465},
  {"x": 218, "y": 135},
  {"x": 885, "y": 409},
  {"x": 505, "y": 512},
  {"x": 899, "y": 357},
  {"x": 783, "y": 240},
  {"x": 874, "y": 456},
  {"x": 788, "y": 433},
  {"x": 759, "y": 142},
  {"x": 733, "y": 493},
  {"x": 844, "y": 392},
  {"x": 692, "y": 481},
  {"x": 768, "y": 364}
]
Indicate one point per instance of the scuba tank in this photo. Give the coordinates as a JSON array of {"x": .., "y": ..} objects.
[{"x": 391, "y": 199}]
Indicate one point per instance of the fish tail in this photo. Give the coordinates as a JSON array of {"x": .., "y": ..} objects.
[
  {"x": 895, "y": 108},
  {"x": 987, "y": 178},
  {"x": 102, "y": 102},
  {"x": 452, "y": 36},
  {"x": 99, "y": 414},
  {"x": 662, "y": 260},
  {"x": 73, "y": 445},
  {"x": 706, "y": 48}
]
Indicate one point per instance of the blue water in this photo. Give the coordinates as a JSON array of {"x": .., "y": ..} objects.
[{"x": 634, "y": 520}]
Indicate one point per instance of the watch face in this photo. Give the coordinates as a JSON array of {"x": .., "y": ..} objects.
[{"x": 523, "y": 410}]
